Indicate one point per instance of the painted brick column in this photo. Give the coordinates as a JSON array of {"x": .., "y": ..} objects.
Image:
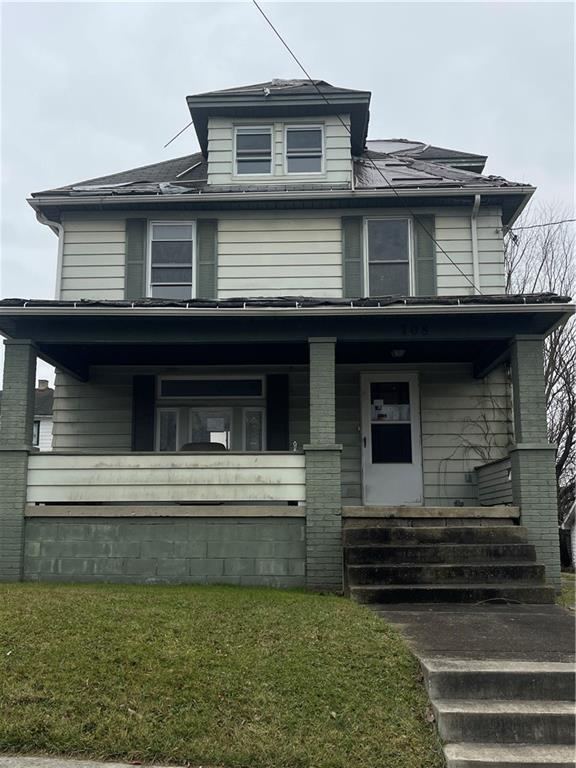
[
  {"x": 323, "y": 481},
  {"x": 533, "y": 457},
  {"x": 16, "y": 426}
]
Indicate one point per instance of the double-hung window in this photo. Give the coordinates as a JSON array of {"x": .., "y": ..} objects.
[
  {"x": 304, "y": 147},
  {"x": 254, "y": 150},
  {"x": 172, "y": 260},
  {"x": 388, "y": 257}
]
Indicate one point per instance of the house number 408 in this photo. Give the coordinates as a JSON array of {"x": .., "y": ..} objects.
[{"x": 414, "y": 329}]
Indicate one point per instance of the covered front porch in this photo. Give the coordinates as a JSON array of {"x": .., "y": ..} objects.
[{"x": 252, "y": 431}]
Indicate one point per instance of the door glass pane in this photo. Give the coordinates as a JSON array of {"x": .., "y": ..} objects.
[
  {"x": 389, "y": 401},
  {"x": 210, "y": 426},
  {"x": 388, "y": 240},
  {"x": 168, "y": 430},
  {"x": 389, "y": 279},
  {"x": 253, "y": 430},
  {"x": 391, "y": 443}
]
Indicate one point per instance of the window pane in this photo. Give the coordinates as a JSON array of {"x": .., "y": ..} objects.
[
  {"x": 253, "y": 430},
  {"x": 36, "y": 433},
  {"x": 391, "y": 444},
  {"x": 175, "y": 252},
  {"x": 260, "y": 142},
  {"x": 172, "y": 232},
  {"x": 172, "y": 291},
  {"x": 390, "y": 401},
  {"x": 387, "y": 240},
  {"x": 306, "y": 139},
  {"x": 172, "y": 275},
  {"x": 304, "y": 164},
  {"x": 254, "y": 166},
  {"x": 168, "y": 430},
  {"x": 387, "y": 279},
  {"x": 210, "y": 427},
  {"x": 211, "y": 388}
]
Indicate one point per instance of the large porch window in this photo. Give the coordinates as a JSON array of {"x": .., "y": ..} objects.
[{"x": 210, "y": 414}]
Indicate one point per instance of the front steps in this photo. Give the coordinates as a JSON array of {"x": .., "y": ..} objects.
[
  {"x": 443, "y": 564},
  {"x": 503, "y": 714}
]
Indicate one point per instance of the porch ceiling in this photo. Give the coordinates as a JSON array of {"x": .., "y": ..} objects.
[{"x": 73, "y": 338}]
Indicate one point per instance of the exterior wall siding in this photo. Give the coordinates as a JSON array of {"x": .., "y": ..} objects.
[
  {"x": 281, "y": 253},
  {"x": 337, "y": 156},
  {"x": 260, "y": 551},
  {"x": 45, "y": 435},
  {"x": 465, "y": 422}
]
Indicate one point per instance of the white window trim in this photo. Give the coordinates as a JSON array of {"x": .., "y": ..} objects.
[
  {"x": 181, "y": 222},
  {"x": 304, "y": 127},
  {"x": 262, "y": 410},
  {"x": 157, "y": 428},
  {"x": 411, "y": 265},
  {"x": 235, "y": 172},
  {"x": 205, "y": 377}
]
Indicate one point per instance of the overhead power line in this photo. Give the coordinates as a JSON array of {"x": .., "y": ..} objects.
[
  {"x": 370, "y": 159},
  {"x": 543, "y": 224}
]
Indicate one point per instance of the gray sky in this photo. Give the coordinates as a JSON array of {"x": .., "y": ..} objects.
[{"x": 94, "y": 88}]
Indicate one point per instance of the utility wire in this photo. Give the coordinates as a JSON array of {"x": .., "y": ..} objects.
[
  {"x": 370, "y": 159},
  {"x": 544, "y": 224}
]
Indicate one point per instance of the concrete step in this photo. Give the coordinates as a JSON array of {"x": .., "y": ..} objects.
[
  {"x": 465, "y": 534},
  {"x": 509, "y": 756},
  {"x": 490, "y": 573},
  {"x": 499, "y": 679},
  {"x": 453, "y": 593},
  {"x": 505, "y": 722},
  {"x": 439, "y": 553}
]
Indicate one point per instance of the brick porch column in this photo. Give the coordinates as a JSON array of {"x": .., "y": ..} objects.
[
  {"x": 533, "y": 457},
  {"x": 323, "y": 491},
  {"x": 16, "y": 426}
]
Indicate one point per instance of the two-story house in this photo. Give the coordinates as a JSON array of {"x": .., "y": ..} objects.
[{"x": 294, "y": 333}]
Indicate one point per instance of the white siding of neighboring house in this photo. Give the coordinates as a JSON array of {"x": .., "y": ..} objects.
[
  {"x": 465, "y": 421},
  {"x": 337, "y": 157},
  {"x": 45, "y": 434},
  {"x": 280, "y": 253}
]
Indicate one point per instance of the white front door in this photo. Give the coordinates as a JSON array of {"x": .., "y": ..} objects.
[{"x": 391, "y": 439}]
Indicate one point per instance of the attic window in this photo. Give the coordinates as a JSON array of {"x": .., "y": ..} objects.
[
  {"x": 254, "y": 151},
  {"x": 304, "y": 149}
]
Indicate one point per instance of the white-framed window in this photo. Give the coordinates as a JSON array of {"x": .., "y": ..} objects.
[
  {"x": 304, "y": 148},
  {"x": 253, "y": 150},
  {"x": 172, "y": 259},
  {"x": 36, "y": 432},
  {"x": 253, "y": 429},
  {"x": 388, "y": 260}
]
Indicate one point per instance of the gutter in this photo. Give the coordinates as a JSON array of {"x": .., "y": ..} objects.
[
  {"x": 126, "y": 200},
  {"x": 58, "y": 229},
  {"x": 474, "y": 233}
]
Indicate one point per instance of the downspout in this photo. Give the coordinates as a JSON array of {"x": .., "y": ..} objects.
[
  {"x": 474, "y": 233},
  {"x": 58, "y": 229}
]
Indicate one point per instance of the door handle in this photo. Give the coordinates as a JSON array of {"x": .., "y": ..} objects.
[{"x": 364, "y": 441}]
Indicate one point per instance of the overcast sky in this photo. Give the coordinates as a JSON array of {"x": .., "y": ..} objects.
[{"x": 93, "y": 88}]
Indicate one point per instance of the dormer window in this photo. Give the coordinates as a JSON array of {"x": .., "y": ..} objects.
[
  {"x": 254, "y": 150},
  {"x": 304, "y": 149}
]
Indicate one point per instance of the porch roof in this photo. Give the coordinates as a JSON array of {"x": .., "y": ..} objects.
[{"x": 477, "y": 329}]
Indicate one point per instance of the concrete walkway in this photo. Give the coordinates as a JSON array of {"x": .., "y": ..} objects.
[{"x": 500, "y": 678}]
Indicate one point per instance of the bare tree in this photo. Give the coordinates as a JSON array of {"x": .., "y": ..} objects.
[{"x": 539, "y": 258}]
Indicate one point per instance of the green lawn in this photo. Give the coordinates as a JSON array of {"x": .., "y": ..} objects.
[
  {"x": 567, "y": 597},
  {"x": 217, "y": 676}
]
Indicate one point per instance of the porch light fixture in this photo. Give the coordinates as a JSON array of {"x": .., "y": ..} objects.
[{"x": 397, "y": 353}]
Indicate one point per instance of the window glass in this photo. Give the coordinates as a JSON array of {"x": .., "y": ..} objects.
[
  {"x": 253, "y": 430},
  {"x": 304, "y": 150},
  {"x": 391, "y": 444},
  {"x": 388, "y": 257},
  {"x": 390, "y": 428},
  {"x": 172, "y": 254},
  {"x": 36, "y": 433},
  {"x": 168, "y": 430},
  {"x": 211, "y": 426},
  {"x": 211, "y": 388},
  {"x": 254, "y": 150}
]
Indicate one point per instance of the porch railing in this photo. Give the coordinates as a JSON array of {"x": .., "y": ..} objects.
[
  {"x": 112, "y": 478},
  {"x": 495, "y": 482}
]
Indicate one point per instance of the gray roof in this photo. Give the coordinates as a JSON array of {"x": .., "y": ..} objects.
[
  {"x": 423, "y": 151},
  {"x": 401, "y": 168},
  {"x": 295, "y": 86}
]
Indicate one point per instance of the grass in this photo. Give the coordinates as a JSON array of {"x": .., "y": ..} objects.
[
  {"x": 567, "y": 597},
  {"x": 212, "y": 676}
]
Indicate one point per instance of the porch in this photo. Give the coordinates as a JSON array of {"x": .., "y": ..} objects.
[{"x": 393, "y": 392}]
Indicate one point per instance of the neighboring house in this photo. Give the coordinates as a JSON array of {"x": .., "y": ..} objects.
[
  {"x": 569, "y": 525},
  {"x": 43, "y": 419},
  {"x": 291, "y": 329}
]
